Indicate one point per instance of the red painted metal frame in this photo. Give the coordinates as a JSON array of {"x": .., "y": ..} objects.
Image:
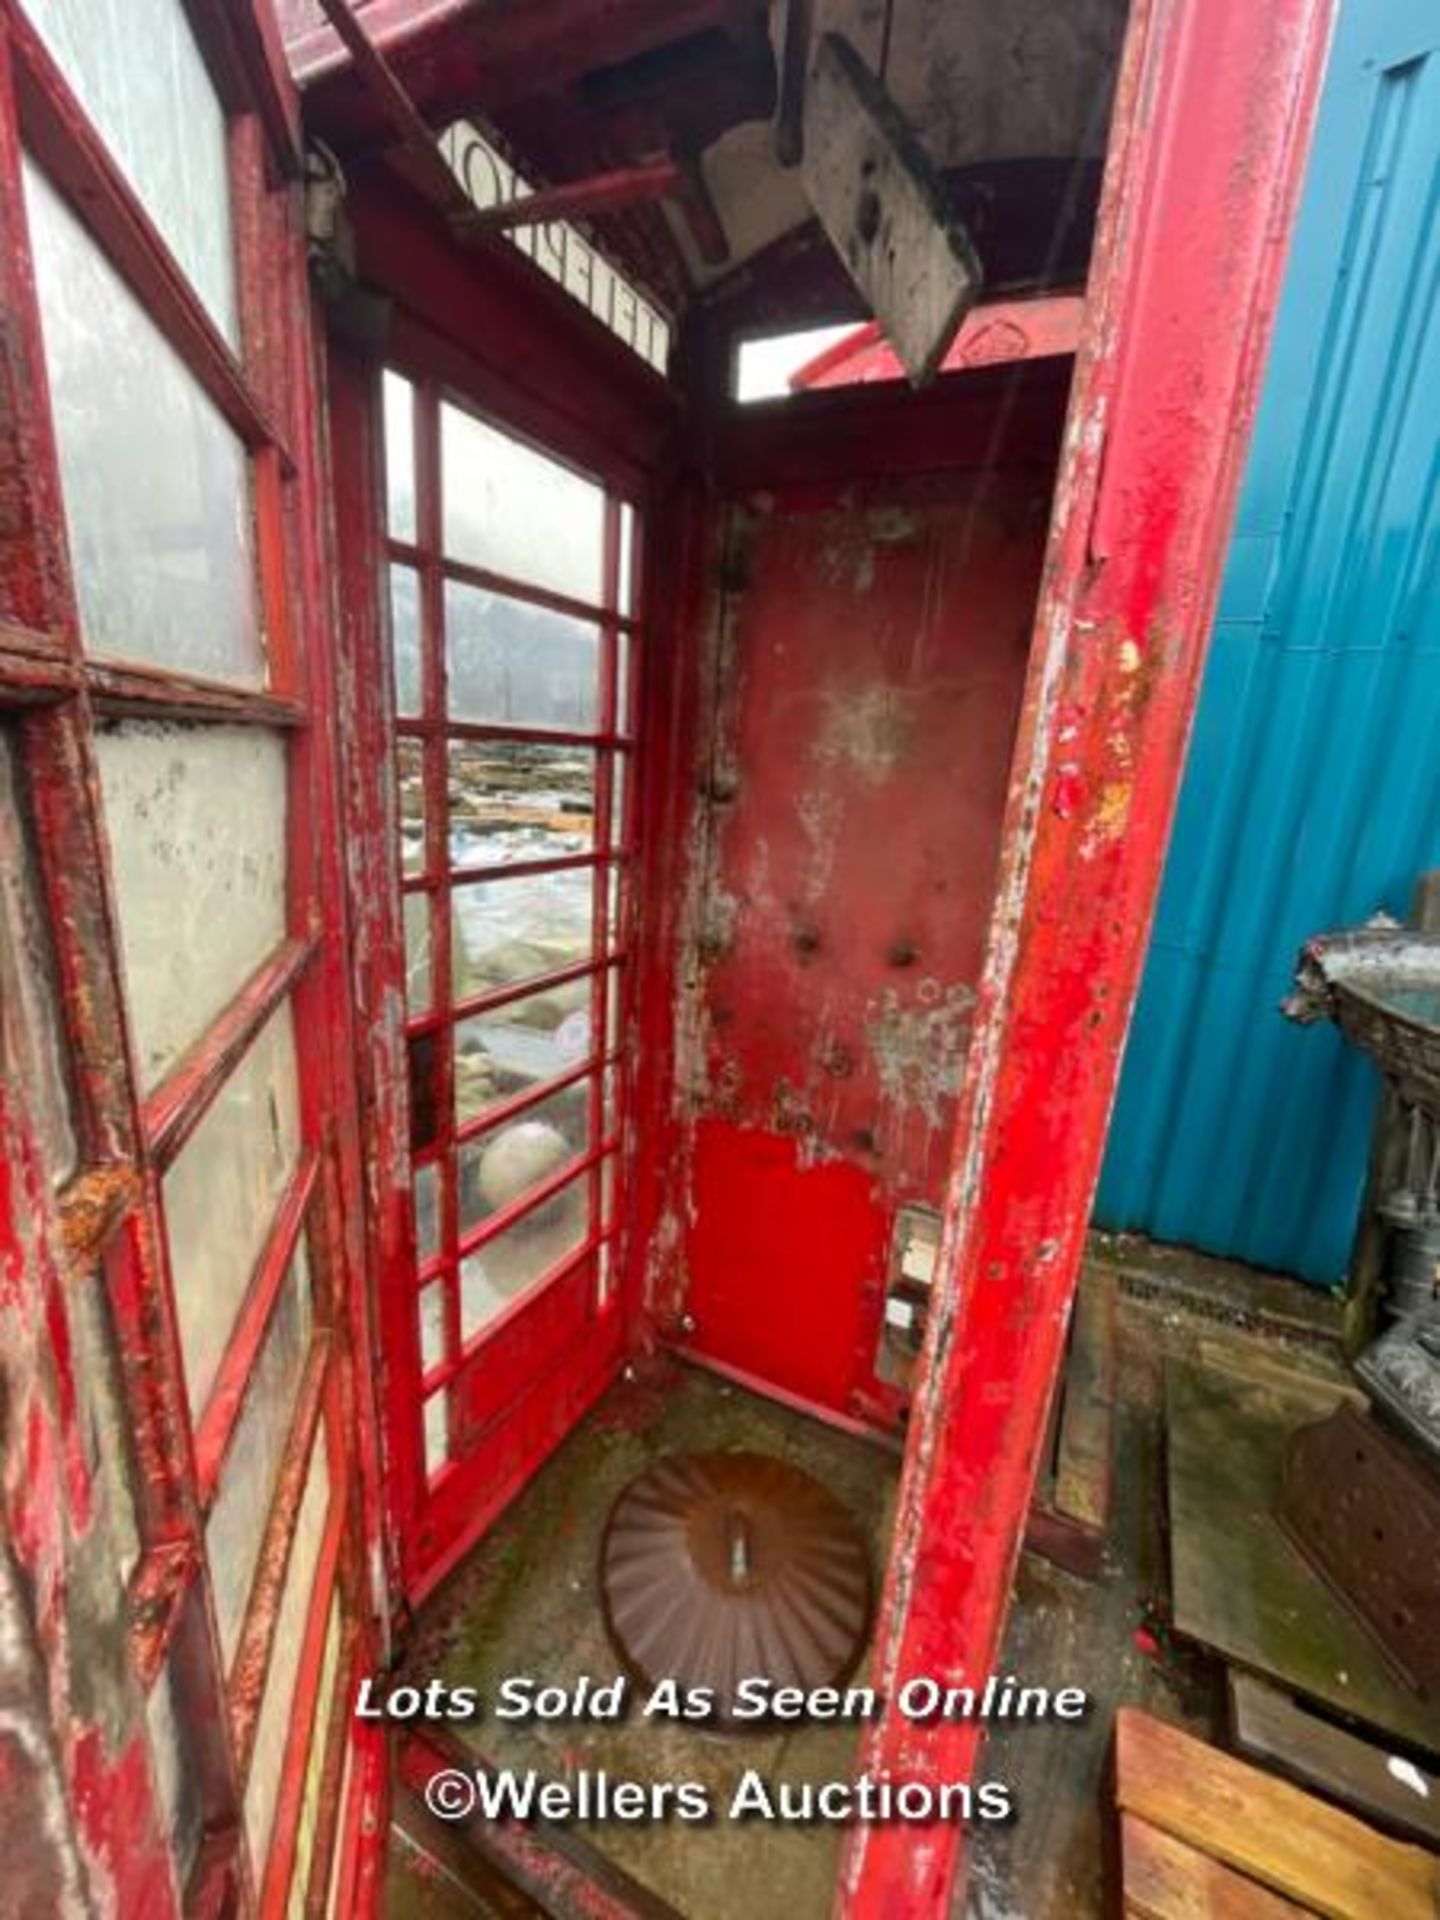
[
  {"x": 1210, "y": 127},
  {"x": 997, "y": 332},
  {"x": 496, "y": 333},
  {"x": 521, "y": 1351},
  {"x": 109, "y": 1219}
]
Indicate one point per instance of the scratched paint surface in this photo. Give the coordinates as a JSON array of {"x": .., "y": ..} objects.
[{"x": 869, "y": 658}]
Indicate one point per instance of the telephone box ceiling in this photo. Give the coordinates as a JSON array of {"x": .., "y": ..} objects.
[{"x": 997, "y": 97}]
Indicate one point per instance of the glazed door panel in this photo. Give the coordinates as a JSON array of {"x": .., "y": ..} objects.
[{"x": 512, "y": 643}]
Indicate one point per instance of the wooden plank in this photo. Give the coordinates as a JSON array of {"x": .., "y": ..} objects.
[
  {"x": 1087, "y": 1414},
  {"x": 1238, "y": 1584},
  {"x": 1385, "y": 1787},
  {"x": 1288, "y": 1840},
  {"x": 1166, "y": 1880},
  {"x": 885, "y": 209}
]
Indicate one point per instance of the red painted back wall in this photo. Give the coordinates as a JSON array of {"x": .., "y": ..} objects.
[{"x": 865, "y": 650}]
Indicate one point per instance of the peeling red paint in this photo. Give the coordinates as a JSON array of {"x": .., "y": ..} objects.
[
  {"x": 1120, "y": 637},
  {"x": 866, "y": 659}
]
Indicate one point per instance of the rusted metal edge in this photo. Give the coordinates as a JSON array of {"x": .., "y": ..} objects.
[{"x": 251, "y": 1666}]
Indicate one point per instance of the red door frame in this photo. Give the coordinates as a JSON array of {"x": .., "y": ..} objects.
[
  {"x": 104, "y": 1230},
  {"x": 491, "y": 330},
  {"x": 1210, "y": 130}
]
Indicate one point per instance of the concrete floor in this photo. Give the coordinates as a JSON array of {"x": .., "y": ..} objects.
[{"x": 525, "y": 1603}]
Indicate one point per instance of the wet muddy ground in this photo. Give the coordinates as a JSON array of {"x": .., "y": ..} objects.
[{"x": 526, "y": 1602}]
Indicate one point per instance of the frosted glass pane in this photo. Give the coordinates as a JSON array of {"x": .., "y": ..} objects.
[
  {"x": 156, "y": 485},
  {"x": 399, "y": 397},
  {"x": 514, "y": 511},
  {"x": 624, "y": 719},
  {"x": 512, "y": 800},
  {"x": 405, "y": 639},
  {"x": 247, "y": 1483},
  {"x": 510, "y": 929},
  {"x": 437, "y": 1434},
  {"x": 32, "y": 1040},
  {"x": 616, "y": 910},
  {"x": 273, "y": 1729},
  {"x": 627, "y": 559},
  {"x": 427, "y": 1213},
  {"x": 518, "y": 664},
  {"x": 221, "y": 1195},
  {"x": 196, "y": 821},
  {"x": 432, "y": 1326},
  {"x": 139, "y": 75},
  {"x": 418, "y": 984},
  {"x": 619, "y": 801},
  {"x": 307, "y": 1832}
]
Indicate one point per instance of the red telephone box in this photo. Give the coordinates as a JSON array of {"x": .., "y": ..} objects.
[{"x": 353, "y": 1144}]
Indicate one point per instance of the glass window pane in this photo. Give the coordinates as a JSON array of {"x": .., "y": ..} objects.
[
  {"x": 247, "y": 1484},
  {"x": 221, "y": 1195},
  {"x": 410, "y": 779},
  {"x": 405, "y": 641},
  {"x": 195, "y": 816},
  {"x": 437, "y": 1434},
  {"x": 273, "y": 1729},
  {"x": 501, "y": 1270},
  {"x": 616, "y": 909},
  {"x": 607, "y": 1190},
  {"x": 614, "y": 1013},
  {"x": 511, "y": 800},
  {"x": 307, "y": 1830},
  {"x": 138, "y": 73},
  {"x": 156, "y": 484},
  {"x": 620, "y": 800},
  {"x": 432, "y": 1326},
  {"x": 521, "y": 666},
  {"x": 399, "y": 398},
  {"x": 627, "y": 559},
  {"x": 419, "y": 986},
  {"x": 32, "y": 1040},
  {"x": 515, "y": 511},
  {"x": 502, "y": 1166},
  {"x": 501, "y": 1053},
  {"x": 624, "y": 720},
  {"x": 427, "y": 1213},
  {"x": 508, "y": 930}
]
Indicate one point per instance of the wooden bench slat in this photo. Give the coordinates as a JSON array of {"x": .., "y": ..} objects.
[
  {"x": 1166, "y": 1880},
  {"x": 1266, "y": 1829}
]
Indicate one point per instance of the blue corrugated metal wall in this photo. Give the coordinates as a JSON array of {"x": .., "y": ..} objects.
[{"x": 1311, "y": 795}]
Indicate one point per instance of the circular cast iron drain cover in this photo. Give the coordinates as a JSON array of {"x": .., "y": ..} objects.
[{"x": 722, "y": 1567}]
